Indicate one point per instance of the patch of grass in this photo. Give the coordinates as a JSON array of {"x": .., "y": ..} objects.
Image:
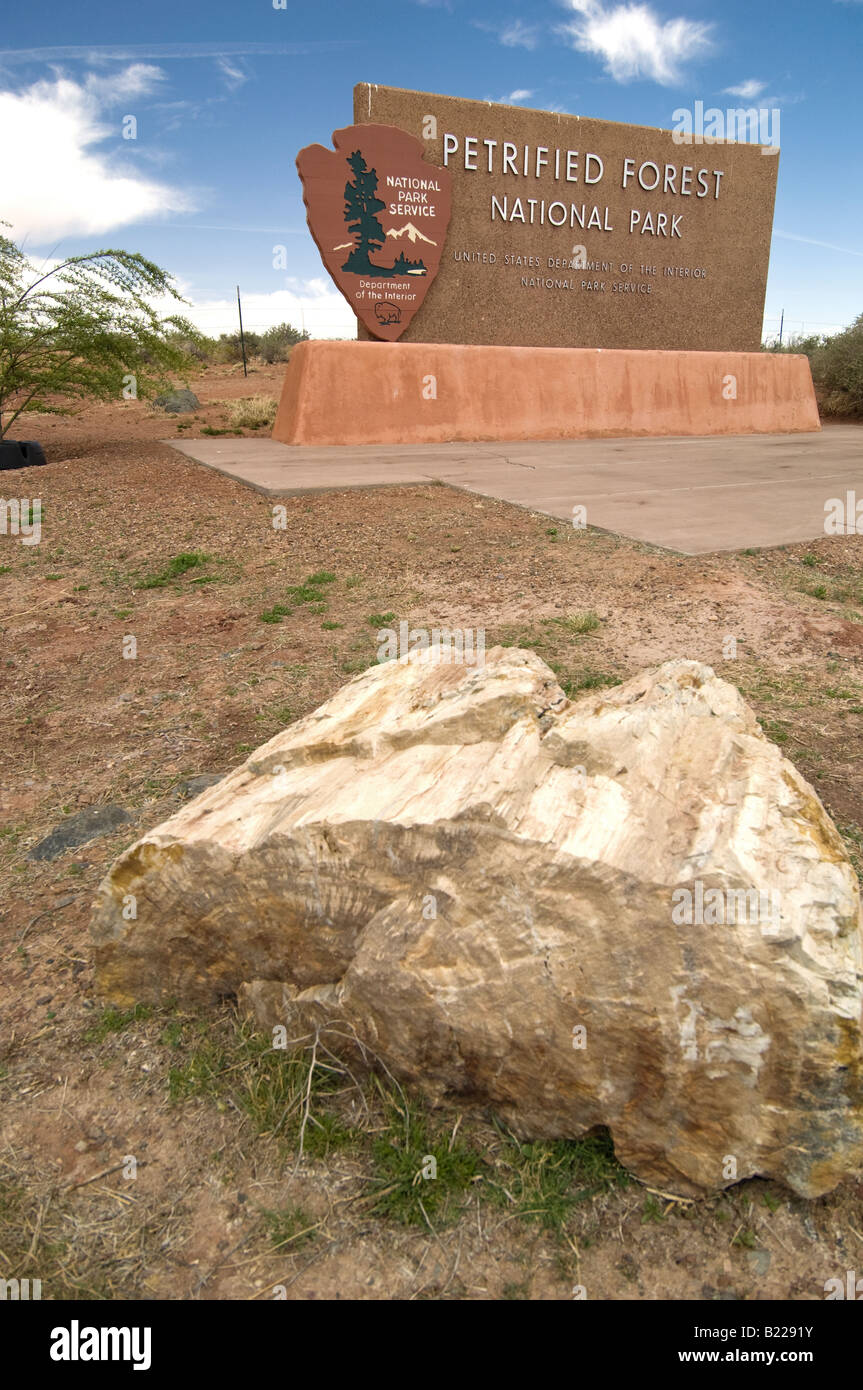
[
  {"x": 176, "y": 567},
  {"x": 579, "y": 623},
  {"x": 280, "y": 1092},
  {"x": 810, "y": 560},
  {"x": 284, "y": 714},
  {"x": 852, "y": 835},
  {"x": 275, "y": 614},
  {"x": 514, "y": 1291},
  {"x": 327, "y": 1133},
  {"x": 587, "y": 680},
  {"x": 187, "y": 560},
  {"x": 252, "y": 413},
  {"x": 290, "y": 1226},
  {"x": 306, "y": 593},
  {"x": 745, "y": 1240},
  {"x": 423, "y": 1171},
  {"x": 775, "y": 730},
  {"x": 211, "y": 430},
  {"x": 546, "y": 1180},
  {"x": 116, "y": 1021},
  {"x": 379, "y": 620},
  {"x": 201, "y": 1071},
  {"x": 846, "y": 591},
  {"x": 331, "y": 627},
  {"x": 172, "y": 1033},
  {"x": 651, "y": 1211},
  {"x": 321, "y": 577}
]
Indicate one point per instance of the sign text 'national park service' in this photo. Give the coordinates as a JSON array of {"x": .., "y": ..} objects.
[{"x": 379, "y": 214}]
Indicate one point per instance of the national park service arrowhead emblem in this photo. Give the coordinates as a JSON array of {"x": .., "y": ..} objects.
[{"x": 379, "y": 214}]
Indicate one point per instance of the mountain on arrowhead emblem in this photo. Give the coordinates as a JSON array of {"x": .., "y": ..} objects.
[{"x": 366, "y": 199}]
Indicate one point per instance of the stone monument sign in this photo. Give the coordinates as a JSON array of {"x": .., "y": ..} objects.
[{"x": 572, "y": 232}]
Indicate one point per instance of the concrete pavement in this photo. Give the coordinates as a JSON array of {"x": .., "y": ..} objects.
[{"x": 691, "y": 495}]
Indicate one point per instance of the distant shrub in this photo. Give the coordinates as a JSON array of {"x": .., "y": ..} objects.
[
  {"x": 198, "y": 349},
  {"x": 796, "y": 343},
  {"x": 228, "y": 347},
  {"x": 837, "y": 367},
  {"x": 275, "y": 345}
]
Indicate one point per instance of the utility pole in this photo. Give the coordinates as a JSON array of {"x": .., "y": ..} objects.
[
  {"x": 242, "y": 338},
  {"x": 781, "y": 326}
]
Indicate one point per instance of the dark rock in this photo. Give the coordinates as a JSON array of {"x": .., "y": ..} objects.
[
  {"x": 758, "y": 1261},
  {"x": 178, "y": 402},
  {"x": 80, "y": 830},
  {"x": 20, "y": 453},
  {"x": 193, "y": 786}
]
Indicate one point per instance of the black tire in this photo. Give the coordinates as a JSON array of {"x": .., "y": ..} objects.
[{"x": 20, "y": 453}]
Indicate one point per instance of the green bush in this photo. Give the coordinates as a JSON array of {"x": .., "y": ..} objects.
[
  {"x": 275, "y": 345},
  {"x": 85, "y": 329},
  {"x": 837, "y": 367},
  {"x": 228, "y": 347}
]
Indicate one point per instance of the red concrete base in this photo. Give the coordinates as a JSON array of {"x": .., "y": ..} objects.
[{"x": 433, "y": 393}]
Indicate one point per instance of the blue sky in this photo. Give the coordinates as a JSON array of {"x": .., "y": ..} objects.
[{"x": 225, "y": 94}]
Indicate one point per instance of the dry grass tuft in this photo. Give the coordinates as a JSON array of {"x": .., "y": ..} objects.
[{"x": 253, "y": 413}]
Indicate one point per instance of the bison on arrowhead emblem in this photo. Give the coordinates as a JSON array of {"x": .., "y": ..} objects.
[{"x": 379, "y": 213}]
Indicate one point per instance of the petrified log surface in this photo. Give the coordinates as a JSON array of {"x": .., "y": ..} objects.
[{"x": 629, "y": 910}]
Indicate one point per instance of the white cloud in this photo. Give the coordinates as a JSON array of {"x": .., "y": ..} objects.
[
  {"x": 515, "y": 34},
  {"x": 126, "y": 53},
  {"x": 310, "y": 304},
  {"x": 513, "y": 98},
  {"x": 634, "y": 42},
  {"x": 519, "y": 35},
  {"x": 233, "y": 73},
  {"x": 55, "y": 183},
  {"x": 139, "y": 79},
  {"x": 747, "y": 90},
  {"x": 828, "y": 245},
  {"x": 313, "y": 305}
]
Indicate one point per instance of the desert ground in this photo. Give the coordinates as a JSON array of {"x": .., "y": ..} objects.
[{"x": 234, "y": 640}]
